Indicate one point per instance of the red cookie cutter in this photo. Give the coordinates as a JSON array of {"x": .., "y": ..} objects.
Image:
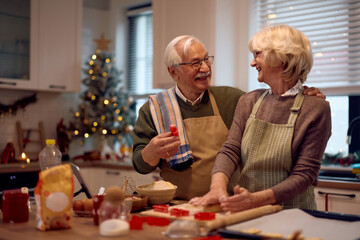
[
  {"x": 179, "y": 212},
  {"x": 161, "y": 208},
  {"x": 204, "y": 216}
]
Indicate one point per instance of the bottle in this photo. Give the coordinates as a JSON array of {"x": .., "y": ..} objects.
[{"x": 50, "y": 156}]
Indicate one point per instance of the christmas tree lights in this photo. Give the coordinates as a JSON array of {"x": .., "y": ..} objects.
[{"x": 106, "y": 108}]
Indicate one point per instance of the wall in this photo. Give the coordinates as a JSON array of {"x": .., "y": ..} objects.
[
  {"x": 229, "y": 29},
  {"x": 49, "y": 108},
  {"x": 222, "y": 25}
]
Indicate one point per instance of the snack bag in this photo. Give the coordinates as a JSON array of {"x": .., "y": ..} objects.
[{"x": 53, "y": 194}]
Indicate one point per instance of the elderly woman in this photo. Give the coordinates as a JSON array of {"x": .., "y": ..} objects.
[{"x": 278, "y": 136}]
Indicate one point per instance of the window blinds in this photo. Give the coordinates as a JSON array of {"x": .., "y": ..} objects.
[
  {"x": 140, "y": 50},
  {"x": 333, "y": 27}
]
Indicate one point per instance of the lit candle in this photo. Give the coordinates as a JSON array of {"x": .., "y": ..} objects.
[{"x": 23, "y": 157}]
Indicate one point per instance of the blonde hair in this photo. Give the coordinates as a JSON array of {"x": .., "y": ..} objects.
[
  {"x": 286, "y": 47},
  {"x": 173, "y": 49}
]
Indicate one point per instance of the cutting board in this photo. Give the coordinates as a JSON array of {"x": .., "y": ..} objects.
[
  {"x": 221, "y": 219},
  {"x": 185, "y": 206}
]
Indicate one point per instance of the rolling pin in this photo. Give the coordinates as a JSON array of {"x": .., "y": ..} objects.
[{"x": 241, "y": 216}]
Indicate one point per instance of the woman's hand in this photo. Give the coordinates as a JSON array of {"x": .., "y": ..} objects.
[
  {"x": 212, "y": 197},
  {"x": 217, "y": 191},
  {"x": 243, "y": 199}
]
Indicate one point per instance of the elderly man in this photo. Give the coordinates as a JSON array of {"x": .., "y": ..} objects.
[{"x": 202, "y": 114}]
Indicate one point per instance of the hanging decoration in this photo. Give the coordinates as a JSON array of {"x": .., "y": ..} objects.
[{"x": 19, "y": 104}]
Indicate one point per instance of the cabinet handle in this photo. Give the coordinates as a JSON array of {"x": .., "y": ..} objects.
[
  {"x": 112, "y": 173},
  {"x": 337, "y": 194},
  {"x": 8, "y": 83},
  {"x": 57, "y": 86}
]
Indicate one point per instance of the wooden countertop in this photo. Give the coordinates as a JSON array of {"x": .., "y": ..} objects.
[
  {"x": 34, "y": 167},
  {"x": 339, "y": 184},
  {"x": 82, "y": 228}
]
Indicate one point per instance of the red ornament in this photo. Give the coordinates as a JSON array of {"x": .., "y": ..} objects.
[{"x": 8, "y": 155}]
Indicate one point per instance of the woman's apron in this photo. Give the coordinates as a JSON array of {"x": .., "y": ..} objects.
[
  {"x": 266, "y": 155},
  {"x": 206, "y": 135}
]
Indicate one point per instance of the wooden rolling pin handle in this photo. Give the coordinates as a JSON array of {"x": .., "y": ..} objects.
[{"x": 242, "y": 216}]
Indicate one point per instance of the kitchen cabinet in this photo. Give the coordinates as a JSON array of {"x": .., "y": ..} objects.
[
  {"x": 59, "y": 48},
  {"x": 50, "y": 46},
  {"x": 339, "y": 200},
  {"x": 18, "y": 41},
  {"x": 104, "y": 177}
]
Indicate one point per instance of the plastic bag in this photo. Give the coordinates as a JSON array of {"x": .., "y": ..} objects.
[{"x": 53, "y": 194}]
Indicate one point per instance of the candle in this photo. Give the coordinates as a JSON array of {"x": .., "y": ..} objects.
[{"x": 22, "y": 157}]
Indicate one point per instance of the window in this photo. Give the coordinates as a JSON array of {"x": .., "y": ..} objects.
[
  {"x": 140, "y": 53},
  {"x": 333, "y": 27}
]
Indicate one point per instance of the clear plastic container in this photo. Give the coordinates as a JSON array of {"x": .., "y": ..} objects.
[{"x": 50, "y": 156}]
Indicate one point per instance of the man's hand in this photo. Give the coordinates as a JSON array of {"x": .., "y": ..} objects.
[
  {"x": 163, "y": 146},
  {"x": 313, "y": 92}
]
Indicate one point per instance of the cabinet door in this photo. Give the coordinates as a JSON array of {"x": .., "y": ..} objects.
[
  {"x": 18, "y": 45},
  {"x": 339, "y": 200},
  {"x": 59, "y": 45}
]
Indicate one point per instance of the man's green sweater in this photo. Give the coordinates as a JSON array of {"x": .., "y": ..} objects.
[{"x": 144, "y": 130}]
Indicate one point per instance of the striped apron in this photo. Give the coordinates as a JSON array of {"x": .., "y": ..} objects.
[{"x": 266, "y": 155}]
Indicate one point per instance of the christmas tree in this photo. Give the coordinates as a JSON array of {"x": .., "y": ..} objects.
[{"x": 106, "y": 110}]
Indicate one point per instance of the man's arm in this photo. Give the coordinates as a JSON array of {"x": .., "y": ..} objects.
[{"x": 144, "y": 131}]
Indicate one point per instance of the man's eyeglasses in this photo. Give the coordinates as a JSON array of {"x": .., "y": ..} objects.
[{"x": 197, "y": 64}]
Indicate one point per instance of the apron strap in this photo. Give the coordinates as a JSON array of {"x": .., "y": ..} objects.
[
  {"x": 257, "y": 104},
  {"x": 213, "y": 104},
  {"x": 294, "y": 111}
]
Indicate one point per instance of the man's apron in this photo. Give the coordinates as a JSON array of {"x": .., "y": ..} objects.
[
  {"x": 266, "y": 155},
  {"x": 206, "y": 135}
]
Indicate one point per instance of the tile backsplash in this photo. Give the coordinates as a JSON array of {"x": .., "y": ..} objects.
[{"x": 49, "y": 108}]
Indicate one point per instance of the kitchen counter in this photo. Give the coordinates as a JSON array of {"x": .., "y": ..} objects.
[
  {"x": 82, "y": 228},
  {"x": 34, "y": 166},
  {"x": 339, "y": 184}
]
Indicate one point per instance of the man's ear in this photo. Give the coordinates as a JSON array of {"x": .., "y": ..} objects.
[{"x": 172, "y": 72}]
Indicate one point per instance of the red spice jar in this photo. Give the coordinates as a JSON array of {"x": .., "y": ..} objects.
[
  {"x": 98, "y": 199},
  {"x": 15, "y": 207}
]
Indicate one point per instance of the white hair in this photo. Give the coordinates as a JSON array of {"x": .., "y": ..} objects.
[{"x": 173, "y": 49}]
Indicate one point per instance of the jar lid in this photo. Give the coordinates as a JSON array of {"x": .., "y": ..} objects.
[{"x": 50, "y": 141}]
